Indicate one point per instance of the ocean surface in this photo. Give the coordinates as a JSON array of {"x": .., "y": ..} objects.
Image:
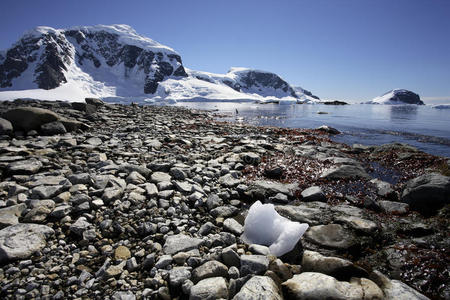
[{"x": 424, "y": 127}]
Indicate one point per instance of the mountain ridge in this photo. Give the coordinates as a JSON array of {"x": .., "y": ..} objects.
[{"x": 114, "y": 61}]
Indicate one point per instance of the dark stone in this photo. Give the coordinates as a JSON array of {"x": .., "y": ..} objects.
[
  {"x": 427, "y": 193},
  {"x": 30, "y": 118},
  {"x": 274, "y": 172},
  {"x": 334, "y": 103},
  {"x": 53, "y": 128},
  {"x": 94, "y": 101},
  {"x": 180, "y": 71}
]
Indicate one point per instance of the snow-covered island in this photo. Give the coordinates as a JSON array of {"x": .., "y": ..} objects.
[
  {"x": 116, "y": 63},
  {"x": 398, "y": 97}
]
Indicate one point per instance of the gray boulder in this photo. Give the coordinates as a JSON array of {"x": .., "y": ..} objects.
[
  {"x": 339, "y": 268},
  {"x": 52, "y": 128},
  {"x": 30, "y": 118},
  {"x": 259, "y": 287},
  {"x": 209, "y": 289},
  {"x": 262, "y": 189},
  {"x": 209, "y": 269},
  {"x": 254, "y": 264},
  {"x": 317, "y": 286},
  {"x": 22, "y": 240},
  {"x": 427, "y": 193},
  {"x": 10, "y": 215},
  {"x": 24, "y": 167},
  {"x": 345, "y": 172},
  {"x": 180, "y": 242},
  {"x": 332, "y": 235},
  {"x": 313, "y": 193},
  {"x": 5, "y": 127}
]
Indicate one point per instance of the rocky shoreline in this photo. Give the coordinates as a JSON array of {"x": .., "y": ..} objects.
[{"x": 106, "y": 201}]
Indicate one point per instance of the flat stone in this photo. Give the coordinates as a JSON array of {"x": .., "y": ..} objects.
[
  {"x": 231, "y": 225},
  {"x": 163, "y": 261},
  {"x": 331, "y": 235},
  {"x": 209, "y": 269},
  {"x": 10, "y": 215},
  {"x": 345, "y": 172},
  {"x": 313, "y": 213},
  {"x": 180, "y": 243},
  {"x": 259, "y": 287},
  {"x": 334, "y": 266},
  {"x": 24, "y": 167},
  {"x": 254, "y": 264},
  {"x": 313, "y": 193},
  {"x": 317, "y": 286},
  {"x": 122, "y": 253},
  {"x": 394, "y": 207},
  {"x": 158, "y": 177},
  {"x": 46, "y": 192},
  {"x": 210, "y": 288},
  {"x": 229, "y": 181},
  {"x": 263, "y": 189},
  {"x": 183, "y": 186},
  {"x": 22, "y": 240},
  {"x": 359, "y": 224}
]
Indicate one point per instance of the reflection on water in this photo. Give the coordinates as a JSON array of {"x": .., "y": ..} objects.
[
  {"x": 421, "y": 126},
  {"x": 403, "y": 112}
]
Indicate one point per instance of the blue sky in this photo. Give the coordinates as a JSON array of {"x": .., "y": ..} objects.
[{"x": 339, "y": 49}]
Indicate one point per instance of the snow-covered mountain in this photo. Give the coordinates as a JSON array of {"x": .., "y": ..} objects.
[
  {"x": 397, "y": 97},
  {"x": 114, "y": 62}
]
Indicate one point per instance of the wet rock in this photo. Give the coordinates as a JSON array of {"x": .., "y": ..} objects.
[
  {"x": 210, "y": 288},
  {"x": 313, "y": 213},
  {"x": 328, "y": 129},
  {"x": 337, "y": 267},
  {"x": 180, "y": 242},
  {"x": 384, "y": 189},
  {"x": 259, "y": 287},
  {"x": 427, "y": 193},
  {"x": 229, "y": 181},
  {"x": 209, "y": 269},
  {"x": 274, "y": 173},
  {"x": 230, "y": 257},
  {"x": 311, "y": 285},
  {"x": 331, "y": 235},
  {"x": 394, "y": 207},
  {"x": 250, "y": 158},
  {"x": 358, "y": 224},
  {"x": 22, "y": 240},
  {"x": 313, "y": 193},
  {"x": 345, "y": 172}
]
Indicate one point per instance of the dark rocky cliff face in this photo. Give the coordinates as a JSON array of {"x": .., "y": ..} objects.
[
  {"x": 52, "y": 54},
  {"x": 253, "y": 79},
  {"x": 406, "y": 96}
]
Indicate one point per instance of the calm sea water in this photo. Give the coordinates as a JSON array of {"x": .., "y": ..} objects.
[{"x": 424, "y": 127}]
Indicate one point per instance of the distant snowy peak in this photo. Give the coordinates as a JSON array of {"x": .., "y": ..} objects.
[
  {"x": 115, "y": 62},
  {"x": 249, "y": 81},
  {"x": 109, "y": 54},
  {"x": 398, "y": 96}
]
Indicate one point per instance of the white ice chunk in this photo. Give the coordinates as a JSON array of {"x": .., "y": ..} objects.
[{"x": 264, "y": 226}]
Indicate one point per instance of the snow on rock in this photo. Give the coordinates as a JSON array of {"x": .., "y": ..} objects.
[
  {"x": 117, "y": 64},
  {"x": 264, "y": 226},
  {"x": 398, "y": 97}
]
